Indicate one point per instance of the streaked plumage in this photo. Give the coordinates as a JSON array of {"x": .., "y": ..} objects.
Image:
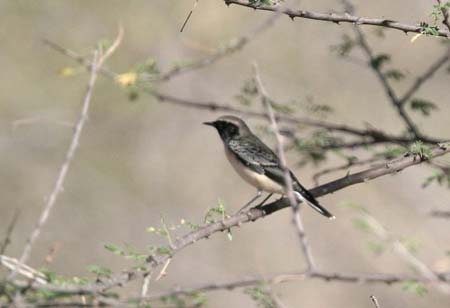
[{"x": 256, "y": 163}]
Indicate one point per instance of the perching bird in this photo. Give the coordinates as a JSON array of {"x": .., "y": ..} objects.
[{"x": 256, "y": 163}]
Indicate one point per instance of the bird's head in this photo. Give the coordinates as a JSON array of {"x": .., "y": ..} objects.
[{"x": 229, "y": 127}]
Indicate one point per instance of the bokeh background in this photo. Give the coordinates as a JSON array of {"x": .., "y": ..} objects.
[{"x": 143, "y": 160}]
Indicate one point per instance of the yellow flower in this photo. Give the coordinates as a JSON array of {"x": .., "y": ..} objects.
[
  {"x": 67, "y": 72},
  {"x": 127, "y": 79}
]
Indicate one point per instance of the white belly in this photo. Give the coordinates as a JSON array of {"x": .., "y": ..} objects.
[{"x": 260, "y": 181}]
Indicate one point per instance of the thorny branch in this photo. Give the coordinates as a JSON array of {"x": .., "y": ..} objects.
[
  {"x": 335, "y": 18},
  {"x": 204, "y": 232}
]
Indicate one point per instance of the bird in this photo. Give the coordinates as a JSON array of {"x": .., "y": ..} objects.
[{"x": 257, "y": 164}]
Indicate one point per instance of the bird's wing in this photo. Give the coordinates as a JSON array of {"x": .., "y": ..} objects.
[{"x": 253, "y": 153}]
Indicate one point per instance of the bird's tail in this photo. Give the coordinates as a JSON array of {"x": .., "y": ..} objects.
[{"x": 304, "y": 195}]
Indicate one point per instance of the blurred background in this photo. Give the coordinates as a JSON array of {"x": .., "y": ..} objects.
[{"x": 142, "y": 160}]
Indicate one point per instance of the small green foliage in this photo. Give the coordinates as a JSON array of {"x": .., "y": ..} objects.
[
  {"x": 344, "y": 47},
  {"x": 428, "y": 30},
  {"x": 414, "y": 287},
  {"x": 352, "y": 205},
  {"x": 194, "y": 299},
  {"x": 164, "y": 251},
  {"x": 313, "y": 108},
  {"x": 56, "y": 279},
  {"x": 248, "y": 93},
  {"x": 183, "y": 63},
  {"x": 376, "y": 247},
  {"x": 412, "y": 245},
  {"x": 261, "y": 296},
  {"x": 311, "y": 149},
  {"x": 114, "y": 249},
  {"x": 378, "y": 60},
  {"x": 129, "y": 253},
  {"x": 189, "y": 224},
  {"x": 423, "y": 106},
  {"x": 394, "y": 74},
  {"x": 420, "y": 149},
  {"x": 260, "y": 2},
  {"x": 103, "y": 45},
  {"x": 100, "y": 271},
  {"x": 391, "y": 152},
  {"x": 436, "y": 14},
  {"x": 361, "y": 224},
  {"x": 212, "y": 213},
  {"x": 149, "y": 67},
  {"x": 440, "y": 177},
  {"x": 284, "y": 108}
]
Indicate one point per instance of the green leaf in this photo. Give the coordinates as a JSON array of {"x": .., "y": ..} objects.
[
  {"x": 420, "y": 149},
  {"x": 114, "y": 249},
  {"x": 423, "y": 106},
  {"x": 376, "y": 247},
  {"x": 260, "y": 2},
  {"x": 164, "y": 250},
  {"x": 378, "y": 61},
  {"x": 100, "y": 271},
  {"x": 361, "y": 224},
  {"x": 428, "y": 30},
  {"x": 414, "y": 287},
  {"x": 394, "y": 74},
  {"x": 261, "y": 296},
  {"x": 345, "y": 47}
]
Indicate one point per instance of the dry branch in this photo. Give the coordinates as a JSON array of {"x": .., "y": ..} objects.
[{"x": 335, "y": 18}]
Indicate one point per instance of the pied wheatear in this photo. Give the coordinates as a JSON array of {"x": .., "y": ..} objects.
[{"x": 257, "y": 164}]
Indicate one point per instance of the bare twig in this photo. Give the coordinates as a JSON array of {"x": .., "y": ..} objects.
[
  {"x": 58, "y": 186},
  {"x": 287, "y": 177},
  {"x": 9, "y": 231},
  {"x": 16, "y": 266},
  {"x": 97, "y": 61},
  {"x": 404, "y": 253},
  {"x": 434, "y": 67},
  {"x": 163, "y": 271},
  {"x": 146, "y": 284},
  {"x": 204, "y": 232},
  {"x": 335, "y": 18},
  {"x": 189, "y": 15}
]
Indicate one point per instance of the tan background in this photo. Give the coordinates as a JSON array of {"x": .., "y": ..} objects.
[{"x": 140, "y": 160}]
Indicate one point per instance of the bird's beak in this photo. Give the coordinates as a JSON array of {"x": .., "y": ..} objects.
[{"x": 210, "y": 124}]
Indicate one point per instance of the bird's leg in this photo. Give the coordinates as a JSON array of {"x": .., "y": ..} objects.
[
  {"x": 264, "y": 201},
  {"x": 258, "y": 194}
]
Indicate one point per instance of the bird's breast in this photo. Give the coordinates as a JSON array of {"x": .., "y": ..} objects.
[{"x": 260, "y": 181}]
